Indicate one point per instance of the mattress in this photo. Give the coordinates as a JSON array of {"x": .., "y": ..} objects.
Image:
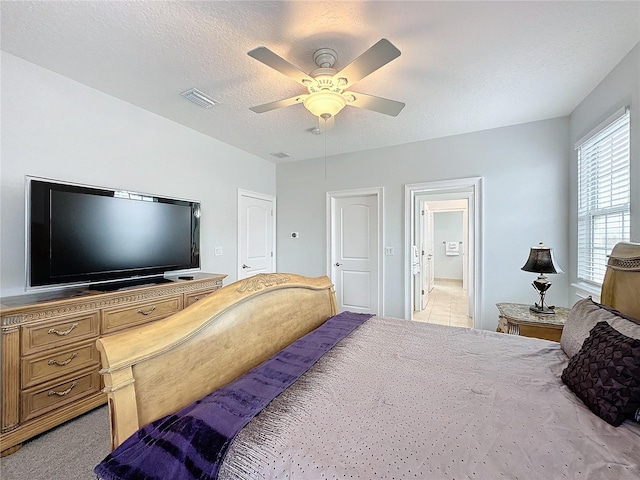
[{"x": 399, "y": 399}]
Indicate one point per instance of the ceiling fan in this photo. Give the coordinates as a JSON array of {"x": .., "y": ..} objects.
[{"x": 327, "y": 87}]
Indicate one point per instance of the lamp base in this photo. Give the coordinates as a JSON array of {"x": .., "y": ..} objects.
[
  {"x": 544, "y": 309},
  {"x": 541, "y": 285}
]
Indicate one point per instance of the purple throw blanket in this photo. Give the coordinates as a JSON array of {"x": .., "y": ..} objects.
[{"x": 192, "y": 443}]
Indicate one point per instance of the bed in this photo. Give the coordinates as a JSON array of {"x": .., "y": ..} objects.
[{"x": 382, "y": 398}]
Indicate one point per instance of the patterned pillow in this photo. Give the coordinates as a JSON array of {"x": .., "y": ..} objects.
[
  {"x": 605, "y": 374},
  {"x": 583, "y": 317}
]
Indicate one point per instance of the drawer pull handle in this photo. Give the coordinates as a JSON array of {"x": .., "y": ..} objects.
[
  {"x": 66, "y": 362},
  {"x": 66, "y": 332},
  {"x": 62, "y": 394},
  {"x": 148, "y": 312}
]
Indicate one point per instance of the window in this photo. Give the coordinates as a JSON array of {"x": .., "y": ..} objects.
[{"x": 603, "y": 195}]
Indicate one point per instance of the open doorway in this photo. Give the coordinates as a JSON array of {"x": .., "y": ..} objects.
[
  {"x": 442, "y": 225},
  {"x": 441, "y": 274}
]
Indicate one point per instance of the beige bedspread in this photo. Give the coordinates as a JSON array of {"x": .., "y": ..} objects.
[{"x": 400, "y": 399}]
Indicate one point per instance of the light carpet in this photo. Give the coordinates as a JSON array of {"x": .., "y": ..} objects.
[{"x": 68, "y": 452}]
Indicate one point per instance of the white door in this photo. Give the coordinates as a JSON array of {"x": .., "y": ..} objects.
[
  {"x": 256, "y": 234},
  {"x": 416, "y": 267},
  {"x": 423, "y": 275},
  {"x": 429, "y": 249},
  {"x": 417, "y": 259},
  {"x": 355, "y": 253},
  {"x": 426, "y": 252}
]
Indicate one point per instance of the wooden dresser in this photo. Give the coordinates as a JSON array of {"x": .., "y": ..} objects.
[{"x": 50, "y": 365}]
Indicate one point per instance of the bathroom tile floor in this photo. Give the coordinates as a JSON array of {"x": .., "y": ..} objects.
[{"x": 447, "y": 305}]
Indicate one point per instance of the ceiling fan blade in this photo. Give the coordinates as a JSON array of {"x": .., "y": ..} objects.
[
  {"x": 325, "y": 124},
  {"x": 270, "y": 59},
  {"x": 377, "y": 56},
  {"x": 377, "y": 104},
  {"x": 278, "y": 104}
]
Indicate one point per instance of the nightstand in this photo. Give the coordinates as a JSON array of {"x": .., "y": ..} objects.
[{"x": 517, "y": 319}]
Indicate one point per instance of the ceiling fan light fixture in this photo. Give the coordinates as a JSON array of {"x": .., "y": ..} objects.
[
  {"x": 324, "y": 103},
  {"x": 326, "y": 86}
]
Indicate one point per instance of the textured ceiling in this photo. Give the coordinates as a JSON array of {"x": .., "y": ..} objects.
[{"x": 465, "y": 66}]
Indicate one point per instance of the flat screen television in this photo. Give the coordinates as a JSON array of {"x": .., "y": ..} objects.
[{"x": 108, "y": 238}]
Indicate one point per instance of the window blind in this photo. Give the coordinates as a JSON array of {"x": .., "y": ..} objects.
[{"x": 604, "y": 197}]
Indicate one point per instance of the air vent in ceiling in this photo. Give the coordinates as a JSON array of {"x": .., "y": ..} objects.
[
  {"x": 199, "y": 98},
  {"x": 280, "y": 155}
]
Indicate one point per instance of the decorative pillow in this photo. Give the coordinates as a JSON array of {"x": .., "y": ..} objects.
[
  {"x": 605, "y": 374},
  {"x": 583, "y": 317}
]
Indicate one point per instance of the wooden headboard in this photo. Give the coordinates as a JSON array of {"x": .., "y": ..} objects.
[
  {"x": 621, "y": 286},
  {"x": 157, "y": 369}
]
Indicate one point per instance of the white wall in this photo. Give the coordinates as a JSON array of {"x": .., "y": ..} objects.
[
  {"x": 525, "y": 198},
  {"x": 621, "y": 87},
  {"x": 447, "y": 227},
  {"x": 57, "y": 128}
]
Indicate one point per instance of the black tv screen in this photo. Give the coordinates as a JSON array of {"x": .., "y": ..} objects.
[{"x": 80, "y": 234}]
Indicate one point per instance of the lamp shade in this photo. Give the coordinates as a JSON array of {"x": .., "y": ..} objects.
[
  {"x": 324, "y": 103},
  {"x": 541, "y": 260}
]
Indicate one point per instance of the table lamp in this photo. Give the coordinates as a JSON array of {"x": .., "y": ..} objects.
[{"x": 541, "y": 261}]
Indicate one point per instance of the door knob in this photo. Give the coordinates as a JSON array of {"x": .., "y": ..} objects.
[
  {"x": 245, "y": 266},
  {"x": 338, "y": 264}
]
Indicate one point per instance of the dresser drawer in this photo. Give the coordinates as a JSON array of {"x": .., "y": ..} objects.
[
  {"x": 54, "y": 364},
  {"x": 40, "y": 400},
  {"x": 117, "y": 318},
  {"x": 59, "y": 332},
  {"x": 191, "y": 298}
]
